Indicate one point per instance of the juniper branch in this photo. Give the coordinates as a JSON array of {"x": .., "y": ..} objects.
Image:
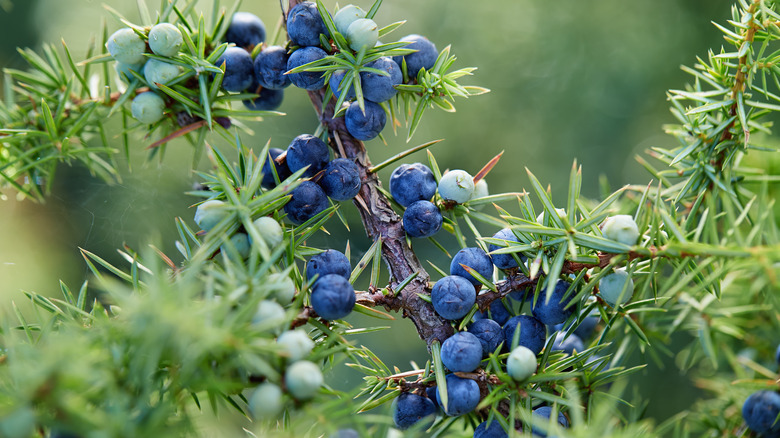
[{"x": 381, "y": 222}]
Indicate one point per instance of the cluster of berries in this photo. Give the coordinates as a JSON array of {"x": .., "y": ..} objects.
[
  {"x": 305, "y": 27},
  {"x": 128, "y": 46},
  {"x": 210, "y": 213},
  {"x": 263, "y": 76},
  {"x": 337, "y": 179},
  {"x": 302, "y": 378},
  {"x": 504, "y": 329},
  {"x": 413, "y": 186},
  {"x": 332, "y": 296}
]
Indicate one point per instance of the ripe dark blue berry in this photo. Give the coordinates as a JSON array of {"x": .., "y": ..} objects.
[
  {"x": 266, "y": 100},
  {"x": 270, "y": 66},
  {"x": 307, "y": 201},
  {"x": 568, "y": 345},
  {"x": 341, "y": 180},
  {"x": 239, "y": 70},
  {"x": 462, "y": 395},
  {"x": 335, "y": 85},
  {"x": 307, "y": 150},
  {"x": 304, "y": 24},
  {"x": 585, "y": 329},
  {"x": 246, "y": 30},
  {"x": 554, "y": 311},
  {"x": 422, "y": 219},
  {"x": 777, "y": 355},
  {"x": 461, "y": 352},
  {"x": 365, "y": 126},
  {"x": 497, "y": 311},
  {"x": 431, "y": 393},
  {"x": 533, "y": 333},
  {"x": 282, "y": 171},
  {"x": 504, "y": 261},
  {"x": 424, "y": 57},
  {"x": 453, "y": 296},
  {"x": 489, "y": 333},
  {"x": 412, "y": 182},
  {"x": 544, "y": 413},
  {"x": 328, "y": 262},
  {"x": 476, "y": 259},
  {"x": 494, "y": 430},
  {"x": 379, "y": 88},
  {"x": 409, "y": 409},
  {"x": 760, "y": 412},
  {"x": 332, "y": 297},
  {"x": 308, "y": 80}
]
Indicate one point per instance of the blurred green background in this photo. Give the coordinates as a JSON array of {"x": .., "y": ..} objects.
[{"x": 570, "y": 79}]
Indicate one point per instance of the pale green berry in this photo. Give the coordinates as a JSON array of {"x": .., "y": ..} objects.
[
  {"x": 621, "y": 228},
  {"x": 282, "y": 286},
  {"x": 123, "y": 71},
  {"x": 346, "y": 16},
  {"x": 269, "y": 314},
  {"x": 147, "y": 107},
  {"x": 240, "y": 243},
  {"x": 18, "y": 424},
  {"x": 126, "y": 46},
  {"x": 480, "y": 191},
  {"x": 165, "y": 39},
  {"x": 160, "y": 72},
  {"x": 560, "y": 211},
  {"x": 296, "y": 344},
  {"x": 266, "y": 401},
  {"x": 616, "y": 288},
  {"x": 363, "y": 32},
  {"x": 210, "y": 213},
  {"x": 521, "y": 363},
  {"x": 270, "y": 230},
  {"x": 457, "y": 186},
  {"x": 303, "y": 379}
]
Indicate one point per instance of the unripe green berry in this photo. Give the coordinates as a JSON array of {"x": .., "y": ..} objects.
[
  {"x": 480, "y": 191},
  {"x": 269, "y": 314},
  {"x": 123, "y": 71},
  {"x": 363, "y": 32},
  {"x": 622, "y": 228},
  {"x": 19, "y": 424},
  {"x": 560, "y": 211},
  {"x": 126, "y": 46},
  {"x": 147, "y": 107},
  {"x": 296, "y": 344},
  {"x": 283, "y": 288},
  {"x": 165, "y": 39},
  {"x": 240, "y": 242},
  {"x": 521, "y": 363},
  {"x": 160, "y": 72},
  {"x": 270, "y": 230},
  {"x": 303, "y": 379},
  {"x": 346, "y": 16},
  {"x": 210, "y": 213},
  {"x": 616, "y": 288},
  {"x": 266, "y": 401},
  {"x": 457, "y": 186}
]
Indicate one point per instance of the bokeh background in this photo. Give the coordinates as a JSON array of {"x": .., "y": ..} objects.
[{"x": 570, "y": 79}]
